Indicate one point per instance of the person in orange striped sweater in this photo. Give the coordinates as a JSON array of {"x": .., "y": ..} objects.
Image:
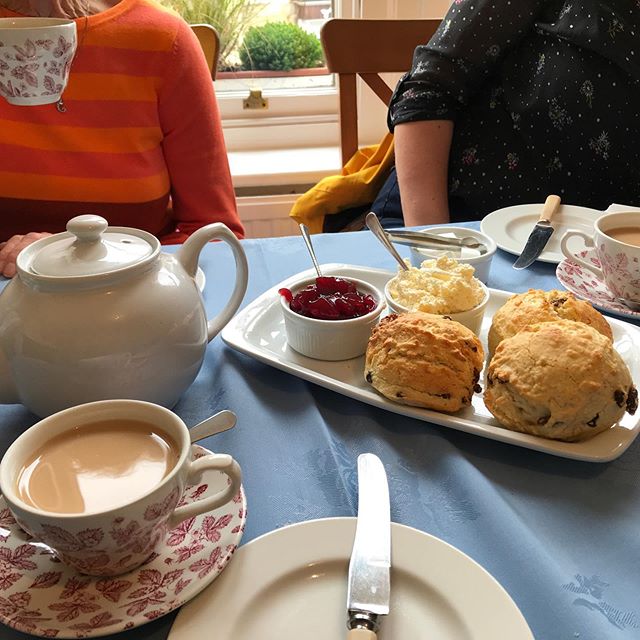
[{"x": 139, "y": 142}]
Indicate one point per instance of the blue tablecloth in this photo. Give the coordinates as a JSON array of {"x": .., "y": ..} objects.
[{"x": 562, "y": 537}]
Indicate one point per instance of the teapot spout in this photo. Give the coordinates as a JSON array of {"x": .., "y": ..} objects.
[{"x": 8, "y": 391}]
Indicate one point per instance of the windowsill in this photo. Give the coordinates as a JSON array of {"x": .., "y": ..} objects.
[{"x": 251, "y": 169}]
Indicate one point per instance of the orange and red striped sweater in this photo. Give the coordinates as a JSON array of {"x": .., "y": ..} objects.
[{"x": 140, "y": 142}]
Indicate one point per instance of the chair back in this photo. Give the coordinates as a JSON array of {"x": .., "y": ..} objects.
[
  {"x": 210, "y": 43},
  {"x": 367, "y": 48}
]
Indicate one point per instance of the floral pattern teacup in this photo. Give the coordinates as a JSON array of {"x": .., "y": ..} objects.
[
  {"x": 116, "y": 540},
  {"x": 35, "y": 59},
  {"x": 620, "y": 261}
]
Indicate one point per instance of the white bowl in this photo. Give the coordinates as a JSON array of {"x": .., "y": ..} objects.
[
  {"x": 331, "y": 339},
  {"x": 481, "y": 264},
  {"x": 471, "y": 318}
]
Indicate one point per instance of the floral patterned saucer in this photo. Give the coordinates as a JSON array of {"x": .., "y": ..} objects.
[
  {"x": 586, "y": 285},
  {"x": 41, "y": 596}
]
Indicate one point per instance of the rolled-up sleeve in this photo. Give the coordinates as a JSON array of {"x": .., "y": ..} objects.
[{"x": 465, "y": 51}]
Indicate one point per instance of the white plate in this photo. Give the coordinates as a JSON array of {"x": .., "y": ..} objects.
[
  {"x": 43, "y": 597},
  {"x": 291, "y": 584},
  {"x": 586, "y": 285},
  {"x": 510, "y": 227},
  {"x": 258, "y": 331}
]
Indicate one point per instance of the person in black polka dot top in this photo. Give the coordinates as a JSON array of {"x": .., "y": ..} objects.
[{"x": 512, "y": 100}]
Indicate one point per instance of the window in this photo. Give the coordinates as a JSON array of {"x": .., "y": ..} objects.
[
  {"x": 302, "y": 110},
  {"x": 302, "y": 103}
]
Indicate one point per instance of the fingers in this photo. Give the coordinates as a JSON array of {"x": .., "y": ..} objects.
[{"x": 10, "y": 249}]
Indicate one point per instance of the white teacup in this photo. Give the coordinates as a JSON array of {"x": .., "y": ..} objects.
[
  {"x": 616, "y": 240},
  {"x": 35, "y": 58},
  {"x": 114, "y": 540}
]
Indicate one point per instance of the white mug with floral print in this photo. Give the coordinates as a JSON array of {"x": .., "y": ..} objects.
[
  {"x": 118, "y": 539},
  {"x": 619, "y": 261},
  {"x": 35, "y": 59}
]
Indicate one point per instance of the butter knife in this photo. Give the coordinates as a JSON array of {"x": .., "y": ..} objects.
[
  {"x": 540, "y": 235},
  {"x": 370, "y": 564}
]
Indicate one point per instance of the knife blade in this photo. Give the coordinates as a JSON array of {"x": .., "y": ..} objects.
[
  {"x": 370, "y": 564},
  {"x": 540, "y": 235}
]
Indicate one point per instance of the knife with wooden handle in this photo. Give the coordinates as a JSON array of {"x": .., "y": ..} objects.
[
  {"x": 361, "y": 634},
  {"x": 370, "y": 564},
  {"x": 540, "y": 235}
]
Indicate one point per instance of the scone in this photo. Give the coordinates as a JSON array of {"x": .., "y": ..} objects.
[
  {"x": 536, "y": 306},
  {"x": 424, "y": 360},
  {"x": 561, "y": 380}
]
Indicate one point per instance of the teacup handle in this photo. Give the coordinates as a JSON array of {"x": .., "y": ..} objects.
[
  {"x": 188, "y": 255},
  {"x": 588, "y": 243},
  {"x": 217, "y": 462}
]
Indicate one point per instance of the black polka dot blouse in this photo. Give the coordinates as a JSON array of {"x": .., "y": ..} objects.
[{"x": 545, "y": 97}]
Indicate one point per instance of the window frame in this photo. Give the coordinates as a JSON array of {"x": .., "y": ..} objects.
[
  {"x": 309, "y": 117},
  {"x": 295, "y": 117}
]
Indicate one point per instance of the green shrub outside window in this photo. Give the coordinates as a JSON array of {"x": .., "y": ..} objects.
[
  {"x": 280, "y": 46},
  {"x": 277, "y": 46}
]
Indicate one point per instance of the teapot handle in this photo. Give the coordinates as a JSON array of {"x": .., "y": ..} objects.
[{"x": 188, "y": 255}]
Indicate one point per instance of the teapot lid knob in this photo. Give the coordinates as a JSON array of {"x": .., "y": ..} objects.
[{"x": 88, "y": 227}]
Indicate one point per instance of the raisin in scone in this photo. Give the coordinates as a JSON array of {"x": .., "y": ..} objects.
[
  {"x": 534, "y": 306},
  {"x": 562, "y": 380},
  {"x": 424, "y": 360}
]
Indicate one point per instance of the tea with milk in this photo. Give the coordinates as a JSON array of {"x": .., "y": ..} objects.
[
  {"x": 97, "y": 467},
  {"x": 628, "y": 235}
]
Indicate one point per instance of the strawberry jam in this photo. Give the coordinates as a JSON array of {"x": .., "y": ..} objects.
[{"x": 330, "y": 299}]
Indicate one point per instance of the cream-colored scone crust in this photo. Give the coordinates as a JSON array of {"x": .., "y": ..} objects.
[
  {"x": 536, "y": 306},
  {"x": 562, "y": 380},
  {"x": 439, "y": 286},
  {"x": 424, "y": 360}
]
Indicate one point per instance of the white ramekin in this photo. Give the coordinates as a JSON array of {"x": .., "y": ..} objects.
[
  {"x": 481, "y": 264},
  {"x": 331, "y": 339},
  {"x": 471, "y": 318}
]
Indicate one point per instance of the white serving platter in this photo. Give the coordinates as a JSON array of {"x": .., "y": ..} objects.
[{"x": 258, "y": 331}]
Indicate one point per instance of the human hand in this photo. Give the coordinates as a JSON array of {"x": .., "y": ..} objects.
[{"x": 10, "y": 249}]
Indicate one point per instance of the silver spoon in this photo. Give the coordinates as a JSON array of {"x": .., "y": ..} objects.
[
  {"x": 307, "y": 238},
  {"x": 372, "y": 222},
  {"x": 222, "y": 421}
]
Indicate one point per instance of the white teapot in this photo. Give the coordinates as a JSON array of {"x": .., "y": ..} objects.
[{"x": 99, "y": 312}]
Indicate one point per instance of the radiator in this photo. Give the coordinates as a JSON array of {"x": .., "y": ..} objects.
[{"x": 267, "y": 216}]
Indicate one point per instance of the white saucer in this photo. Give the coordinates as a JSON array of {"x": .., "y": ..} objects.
[
  {"x": 510, "y": 227},
  {"x": 43, "y": 597},
  {"x": 291, "y": 584},
  {"x": 586, "y": 285}
]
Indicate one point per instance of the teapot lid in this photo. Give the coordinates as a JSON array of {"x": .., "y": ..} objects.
[{"x": 90, "y": 247}]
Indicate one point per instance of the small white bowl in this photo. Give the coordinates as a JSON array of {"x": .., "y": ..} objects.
[
  {"x": 471, "y": 318},
  {"x": 331, "y": 339},
  {"x": 481, "y": 264}
]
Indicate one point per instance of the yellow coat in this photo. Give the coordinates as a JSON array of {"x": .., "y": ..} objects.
[{"x": 358, "y": 184}]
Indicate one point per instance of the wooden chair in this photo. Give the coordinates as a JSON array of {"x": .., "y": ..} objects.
[
  {"x": 367, "y": 48},
  {"x": 210, "y": 43}
]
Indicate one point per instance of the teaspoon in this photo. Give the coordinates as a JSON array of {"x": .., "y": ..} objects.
[
  {"x": 372, "y": 222},
  {"x": 307, "y": 238},
  {"x": 221, "y": 421}
]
